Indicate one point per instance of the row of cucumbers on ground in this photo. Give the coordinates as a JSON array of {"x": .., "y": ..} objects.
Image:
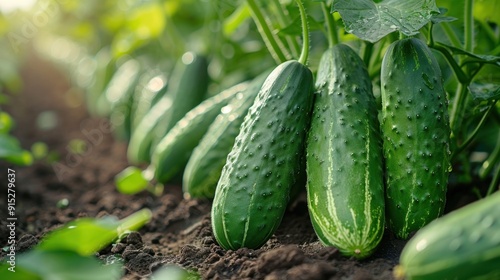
[{"x": 255, "y": 145}]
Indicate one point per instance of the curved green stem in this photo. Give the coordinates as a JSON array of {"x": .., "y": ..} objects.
[
  {"x": 459, "y": 73},
  {"x": 492, "y": 159},
  {"x": 456, "y": 109},
  {"x": 495, "y": 182},
  {"x": 304, "y": 54},
  {"x": 270, "y": 40},
  {"x": 333, "y": 36},
  {"x": 474, "y": 132}
]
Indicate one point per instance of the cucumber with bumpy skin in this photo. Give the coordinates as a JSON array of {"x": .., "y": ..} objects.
[
  {"x": 187, "y": 88},
  {"x": 463, "y": 244},
  {"x": 174, "y": 150},
  {"x": 345, "y": 187},
  {"x": 254, "y": 188},
  {"x": 416, "y": 133},
  {"x": 205, "y": 165}
]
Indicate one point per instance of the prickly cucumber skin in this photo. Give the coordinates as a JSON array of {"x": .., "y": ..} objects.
[
  {"x": 174, "y": 150},
  {"x": 205, "y": 165},
  {"x": 254, "y": 189},
  {"x": 463, "y": 244},
  {"x": 416, "y": 132},
  {"x": 187, "y": 88},
  {"x": 345, "y": 188}
]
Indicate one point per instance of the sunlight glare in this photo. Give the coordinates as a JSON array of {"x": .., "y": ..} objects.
[{"x": 9, "y": 6}]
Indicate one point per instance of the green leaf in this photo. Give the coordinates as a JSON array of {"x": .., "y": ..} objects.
[
  {"x": 67, "y": 265},
  {"x": 6, "y": 123},
  {"x": 11, "y": 151},
  {"x": 131, "y": 181},
  {"x": 86, "y": 236},
  {"x": 441, "y": 18},
  {"x": 295, "y": 27},
  {"x": 372, "y": 21},
  {"x": 173, "y": 272},
  {"x": 485, "y": 91}
]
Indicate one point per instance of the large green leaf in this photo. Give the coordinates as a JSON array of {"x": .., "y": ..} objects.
[
  {"x": 372, "y": 21},
  {"x": 59, "y": 265}
]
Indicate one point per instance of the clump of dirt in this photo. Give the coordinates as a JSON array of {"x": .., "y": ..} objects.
[{"x": 180, "y": 231}]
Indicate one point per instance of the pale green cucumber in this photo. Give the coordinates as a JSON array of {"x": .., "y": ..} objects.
[
  {"x": 464, "y": 244},
  {"x": 208, "y": 158},
  {"x": 187, "y": 88},
  {"x": 173, "y": 151},
  {"x": 345, "y": 188}
]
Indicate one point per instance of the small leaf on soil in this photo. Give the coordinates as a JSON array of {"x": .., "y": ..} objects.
[{"x": 131, "y": 181}]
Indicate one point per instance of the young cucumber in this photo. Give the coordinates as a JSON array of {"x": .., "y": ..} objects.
[
  {"x": 174, "y": 150},
  {"x": 187, "y": 88},
  {"x": 254, "y": 187},
  {"x": 464, "y": 244},
  {"x": 416, "y": 132},
  {"x": 345, "y": 188},
  {"x": 208, "y": 158}
]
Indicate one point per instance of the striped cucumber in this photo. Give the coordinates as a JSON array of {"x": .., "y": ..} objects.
[
  {"x": 463, "y": 244},
  {"x": 254, "y": 188},
  {"x": 187, "y": 88},
  {"x": 208, "y": 158},
  {"x": 416, "y": 132},
  {"x": 174, "y": 150},
  {"x": 345, "y": 188}
]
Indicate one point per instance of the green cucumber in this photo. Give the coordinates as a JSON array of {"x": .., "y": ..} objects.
[
  {"x": 463, "y": 244},
  {"x": 119, "y": 97},
  {"x": 105, "y": 67},
  {"x": 345, "y": 187},
  {"x": 187, "y": 88},
  {"x": 208, "y": 158},
  {"x": 254, "y": 188},
  {"x": 174, "y": 150},
  {"x": 152, "y": 87},
  {"x": 416, "y": 133}
]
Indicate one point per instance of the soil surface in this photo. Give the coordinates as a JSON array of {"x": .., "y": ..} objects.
[{"x": 180, "y": 231}]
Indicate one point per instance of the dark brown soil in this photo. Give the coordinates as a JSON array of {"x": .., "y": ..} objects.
[{"x": 180, "y": 231}]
